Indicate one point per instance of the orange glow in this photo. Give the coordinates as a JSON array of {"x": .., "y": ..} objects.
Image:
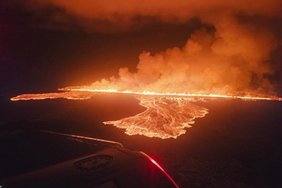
[
  {"x": 86, "y": 93},
  {"x": 170, "y": 94},
  {"x": 163, "y": 118},
  {"x": 42, "y": 96},
  {"x": 226, "y": 57},
  {"x": 167, "y": 115}
]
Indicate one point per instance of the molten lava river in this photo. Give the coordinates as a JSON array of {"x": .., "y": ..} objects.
[
  {"x": 166, "y": 115},
  {"x": 163, "y": 117}
]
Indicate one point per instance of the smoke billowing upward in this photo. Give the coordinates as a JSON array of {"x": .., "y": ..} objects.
[{"x": 230, "y": 57}]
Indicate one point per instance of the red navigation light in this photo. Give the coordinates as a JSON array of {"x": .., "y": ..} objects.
[{"x": 161, "y": 168}]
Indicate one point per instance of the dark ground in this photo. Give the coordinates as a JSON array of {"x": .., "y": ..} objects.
[{"x": 238, "y": 144}]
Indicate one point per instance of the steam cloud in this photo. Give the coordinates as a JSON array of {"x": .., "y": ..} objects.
[{"x": 232, "y": 58}]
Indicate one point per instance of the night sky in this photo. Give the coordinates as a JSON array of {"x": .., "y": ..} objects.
[
  {"x": 42, "y": 58},
  {"x": 52, "y": 44}
]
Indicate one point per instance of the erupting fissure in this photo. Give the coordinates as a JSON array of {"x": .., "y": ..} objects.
[
  {"x": 229, "y": 60},
  {"x": 86, "y": 93},
  {"x": 170, "y": 94},
  {"x": 231, "y": 54},
  {"x": 167, "y": 115}
]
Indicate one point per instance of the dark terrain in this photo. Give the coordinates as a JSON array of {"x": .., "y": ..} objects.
[{"x": 238, "y": 144}]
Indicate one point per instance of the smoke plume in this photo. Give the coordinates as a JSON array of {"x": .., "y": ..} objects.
[{"x": 231, "y": 58}]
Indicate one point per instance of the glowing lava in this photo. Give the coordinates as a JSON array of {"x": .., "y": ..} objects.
[
  {"x": 163, "y": 117},
  {"x": 86, "y": 93},
  {"x": 42, "y": 96},
  {"x": 167, "y": 115},
  {"x": 171, "y": 94}
]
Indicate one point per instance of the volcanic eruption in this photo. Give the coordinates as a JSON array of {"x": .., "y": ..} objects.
[{"x": 227, "y": 58}]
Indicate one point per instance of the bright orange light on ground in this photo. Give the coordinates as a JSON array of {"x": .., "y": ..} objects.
[{"x": 166, "y": 115}]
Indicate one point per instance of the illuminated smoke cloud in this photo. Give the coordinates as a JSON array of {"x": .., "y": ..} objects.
[{"x": 231, "y": 60}]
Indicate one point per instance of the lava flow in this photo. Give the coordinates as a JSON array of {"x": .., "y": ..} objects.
[
  {"x": 230, "y": 61},
  {"x": 163, "y": 117},
  {"x": 42, "y": 96},
  {"x": 166, "y": 114}
]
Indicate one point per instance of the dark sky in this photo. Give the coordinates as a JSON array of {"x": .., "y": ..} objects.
[{"x": 38, "y": 58}]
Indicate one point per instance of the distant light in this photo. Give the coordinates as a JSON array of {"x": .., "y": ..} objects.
[{"x": 161, "y": 168}]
